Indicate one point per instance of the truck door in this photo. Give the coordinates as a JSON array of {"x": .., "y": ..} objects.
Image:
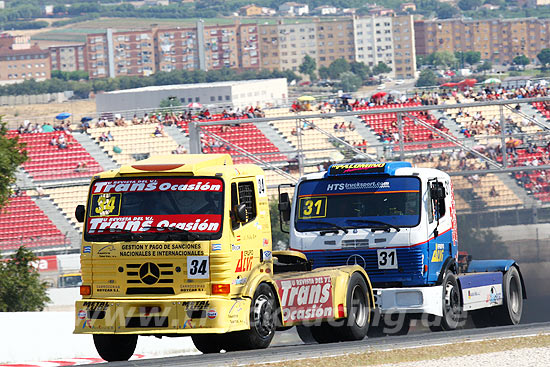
[
  {"x": 246, "y": 242},
  {"x": 439, "y": 223}
]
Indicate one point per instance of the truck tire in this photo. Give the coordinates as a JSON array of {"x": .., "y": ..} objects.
[
  {"x": 359, "y": 308},
  {"x": 113, "y": 347},
  {"x": 262, "y": 322},
  {"x": 304, "y": 332},
  {"x": 512, "y": 296},
  {"x": 453, "y": 315},
  {"x": 208, "y": 343}
]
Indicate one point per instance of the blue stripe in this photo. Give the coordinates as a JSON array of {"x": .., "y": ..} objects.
[{"x": 480, "y": 280}]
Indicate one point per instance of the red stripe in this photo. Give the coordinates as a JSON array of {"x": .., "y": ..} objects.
[{"x": 358, "y": 193}]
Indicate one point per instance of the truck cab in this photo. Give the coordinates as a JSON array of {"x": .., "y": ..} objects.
[
  {"x": 399, "y": 223},
  {"x": 181, "y": 245},
  {"x": 379, "y": 215}
]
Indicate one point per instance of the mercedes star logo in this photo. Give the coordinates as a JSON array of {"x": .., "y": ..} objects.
[
  {"x": 355, "y": 259},
  {"x": 149, "y": 273}
]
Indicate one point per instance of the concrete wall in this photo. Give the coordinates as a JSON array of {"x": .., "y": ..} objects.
[{"x": 35, "y": 99}]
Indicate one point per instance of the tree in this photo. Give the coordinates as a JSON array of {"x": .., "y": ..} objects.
[
  {"x": 361, "y": 70},
  {"x": 12, "y": 154},
  {"x": 324, "y": 72},
  {"x": 472, "y": 57},
  {"x": 338, "y": 67},
  {"x": 468, "y": 4},
  {"x": 349, "y": 82},
  {"x": 521, "y": 60},
  {"x": 308, "y": 67},
  {"x": 427, "y": 78},
  {"x": 20, "y": 287},
  {"x": 487, "y": 65},
  {"x": 446, "y": 11},
  {"x": 544, "y": 56},
  {"x": 381, "y": 68},
  {"x": 443, "y": 58}
]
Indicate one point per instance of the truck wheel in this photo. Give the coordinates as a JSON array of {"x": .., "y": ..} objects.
[
  {"x": 325, "y": 333},
  {"x": 452, "y": 306},
  {"x": 262, "y": 322},
  {"x": 510, "y": 312},
  {"x": 305, "y": 335},
  {"x": 115, "y": 347},
  {"x": 359, "y": 308},
  {"x": 208, "y": 343}
]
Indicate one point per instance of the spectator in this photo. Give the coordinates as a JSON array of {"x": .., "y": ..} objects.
[
  {"x": 180, "y": 150},
  {"x": 61, "y": 142},
  {"x": 493, "y": 193},
  {"x": 81, "y": 167}
]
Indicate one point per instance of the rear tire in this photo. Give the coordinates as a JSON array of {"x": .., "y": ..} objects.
[
  {"x": 304, "y": 332},
  {"x": 356, "y": 325},
  {"x": 512, "y": 293},
  {"x": 113, "y": 347}
]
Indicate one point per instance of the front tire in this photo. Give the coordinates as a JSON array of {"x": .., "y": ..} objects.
[
  {"x": 113, "y": 347},
  {"x": 208, "y": 343},
  {"x": 262, "y": 322},
  {"x": 453, "y": 315}
]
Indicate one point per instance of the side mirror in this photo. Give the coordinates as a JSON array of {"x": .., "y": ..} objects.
[
  {"x": 284, "y": 206},
  {"x": 240, "y": 212},
  {"x": 438, "y": 192},
  {"x": 79, "y": 213}
]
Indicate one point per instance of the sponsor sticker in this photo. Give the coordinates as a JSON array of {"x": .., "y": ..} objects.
[
  {"x": 147, "y": 185},
  {"x": 306, "y": 298},
  {"x": 216, "y": 247},
  {"x": 235, "y": 247},
  {"x": 81, "y": 314},
  {"x": 212, "y": 314},
  {"x": 267, "y": 255},
  {"x": 87, "y": 249}
]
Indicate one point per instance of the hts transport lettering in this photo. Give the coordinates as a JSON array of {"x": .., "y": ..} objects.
[{"x": 170, "y": 208}]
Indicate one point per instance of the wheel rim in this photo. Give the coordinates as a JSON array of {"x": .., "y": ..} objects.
[
  {"x": 452, "y": 301},
  {"x": 359, "y": 306},
  {"x": 514, "y": 296},
  {"x": 263, "y": 316}
]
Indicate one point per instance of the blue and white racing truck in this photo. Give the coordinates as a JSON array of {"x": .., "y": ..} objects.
[{"x": 399, "y": 223}]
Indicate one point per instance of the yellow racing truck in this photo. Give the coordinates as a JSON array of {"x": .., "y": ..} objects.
[{"x": 181, "y": 246}]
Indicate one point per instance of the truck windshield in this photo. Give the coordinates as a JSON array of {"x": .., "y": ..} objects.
[
  {"x": 154, "y": 209},
  {"x": 358, "y": 202}
]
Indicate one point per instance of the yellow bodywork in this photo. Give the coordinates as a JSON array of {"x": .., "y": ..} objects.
[{"x": 240, "y": 259}]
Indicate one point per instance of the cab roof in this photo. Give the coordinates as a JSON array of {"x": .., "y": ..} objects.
[{"x": 186, "y": 165}]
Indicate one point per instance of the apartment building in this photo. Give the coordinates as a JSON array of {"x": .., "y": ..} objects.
[
  {"x": 296, "y": 40},
  {"x": 404, "y": 52},
  {"x": 335, "y": 40},
  {"x": 128, "y": 53},
  {"x": 68, "y": 57},
  {"x": 20, "y": 60},
  {"x": 269, "y": 46},
  {"x": 248, "y": 46},
  {"x": 498, "y": 40},
  {"x": 367, "y": 39},
  {"x": 176, "y": 49}
]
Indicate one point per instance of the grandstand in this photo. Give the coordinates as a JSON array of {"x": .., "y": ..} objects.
[{"x": 60, "y": 175}]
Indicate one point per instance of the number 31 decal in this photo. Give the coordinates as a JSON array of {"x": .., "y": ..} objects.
[{"x": 387, "y": 259}]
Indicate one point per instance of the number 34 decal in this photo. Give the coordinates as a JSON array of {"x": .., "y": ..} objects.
[
  {"x": 197, "y": 267},
  {"x": 387, "y": 259}
]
